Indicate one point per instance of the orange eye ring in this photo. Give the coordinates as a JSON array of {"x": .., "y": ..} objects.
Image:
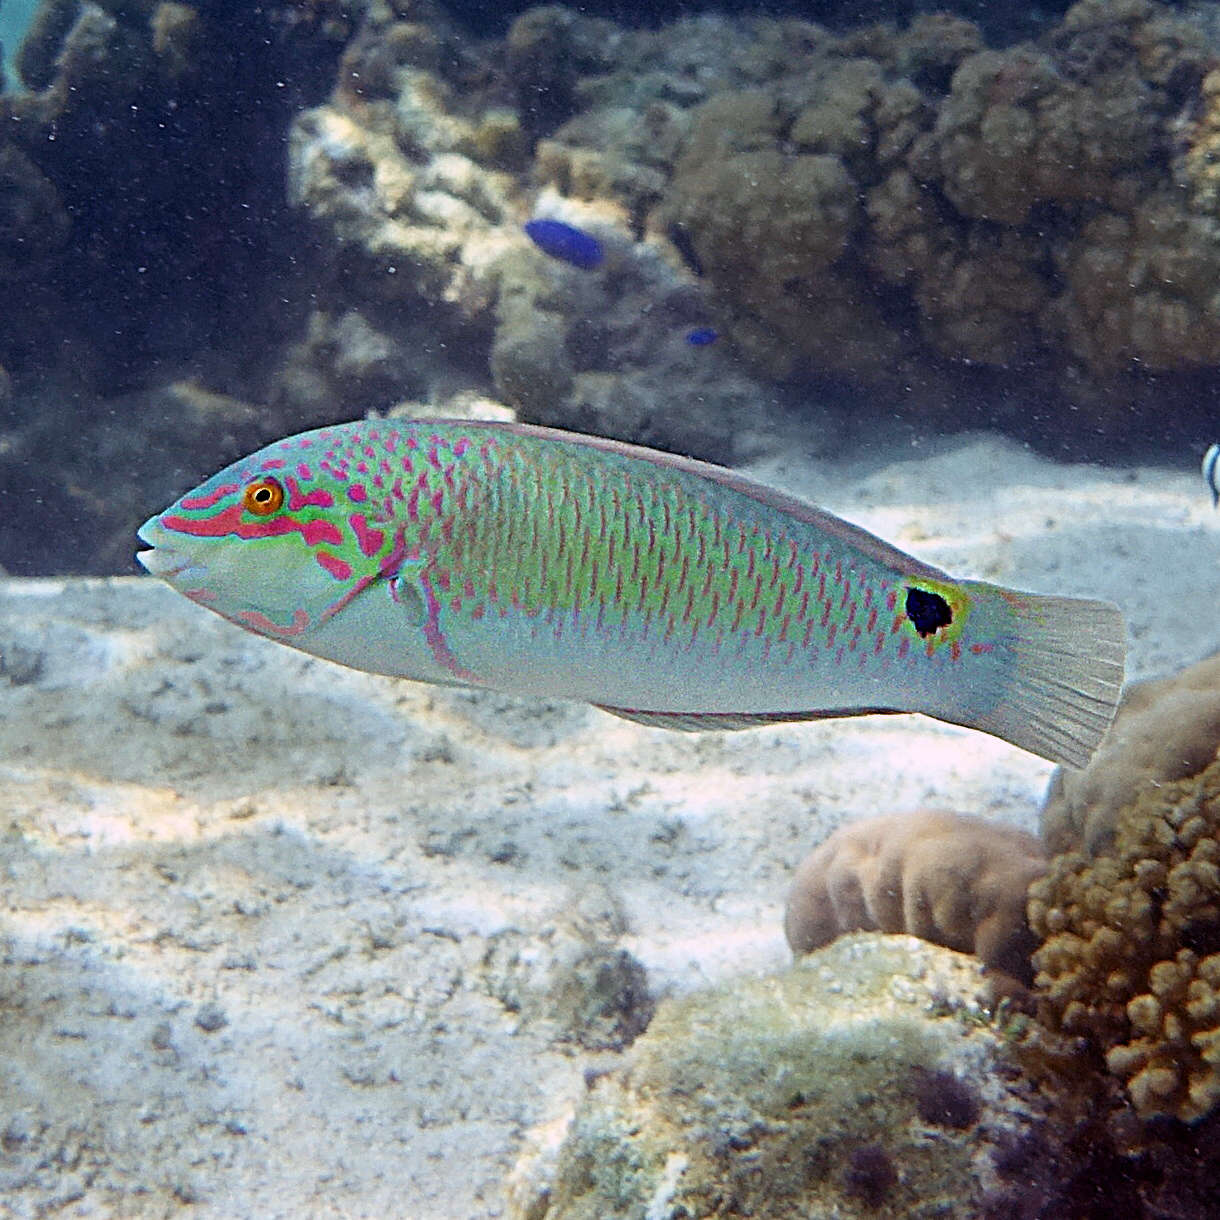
[{"x": 263, "y": 497}]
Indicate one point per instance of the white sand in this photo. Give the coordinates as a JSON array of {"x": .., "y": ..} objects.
[{"x": 260, "y": 913}]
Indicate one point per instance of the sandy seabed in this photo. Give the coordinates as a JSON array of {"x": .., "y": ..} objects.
[{"x": 283, "y": 940}]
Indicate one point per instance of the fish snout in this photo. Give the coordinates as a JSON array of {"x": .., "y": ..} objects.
[{"x": 162, "y": 559}]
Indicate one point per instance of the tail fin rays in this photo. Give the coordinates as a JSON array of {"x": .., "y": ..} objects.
[{"x": 1068, "y": 656}]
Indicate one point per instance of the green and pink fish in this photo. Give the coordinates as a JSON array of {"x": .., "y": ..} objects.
[{"x": 663, "y": 589}]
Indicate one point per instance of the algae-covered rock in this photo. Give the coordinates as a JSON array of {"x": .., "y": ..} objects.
[{"x": 868, "y": 1077}]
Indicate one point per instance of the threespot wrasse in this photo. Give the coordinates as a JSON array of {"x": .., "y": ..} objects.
[{"x": 663, "y": 589}]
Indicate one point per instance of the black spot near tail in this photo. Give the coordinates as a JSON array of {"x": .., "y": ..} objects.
[{"x": 927, "y": 611}]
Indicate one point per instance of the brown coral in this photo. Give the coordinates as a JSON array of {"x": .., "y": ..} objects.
[
  {"x": 1129, "y": 912},
  {"x": 1130, "y": 954},
  {"x": 1165, "y": 730},
  {"x": 956, "y": 881}
]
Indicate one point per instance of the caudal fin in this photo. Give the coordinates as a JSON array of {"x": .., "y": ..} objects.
[{"x": 1067, "y": 657}]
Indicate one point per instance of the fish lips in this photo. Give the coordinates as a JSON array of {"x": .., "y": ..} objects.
[{"x": 165, "y": 560}]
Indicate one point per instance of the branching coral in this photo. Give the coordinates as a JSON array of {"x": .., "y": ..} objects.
[
  {"x": 1131, "y": 955},
  {"x": 1131, "y": 925},
  {"x": 956, "y": 881}
]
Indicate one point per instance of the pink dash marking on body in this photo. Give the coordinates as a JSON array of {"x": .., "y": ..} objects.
[
  {"x": 303, "y": 471},
  {"x": 800, "y": 580},
  {"x": 438, "y": 500},
  {"x": 362, "y": 467},
  {"x": 340, "y": 569},
  {"x": 408, "y": 467},
  {"x": 896, "y": 625},
  {"x": 260, "y": 622},
  {"x": 891, "y": 599},
  {"x": 879, "y": 645},
  {"x": 955, "y": 650},
  {"x": 434, "y": 457},
  {"x": 762, "y": 624},
  {"x": 871, "y": 625},
  {"x": 982, "y": 649},
  {"x": 412, "y": 443},
  {"x": 839, "y": 655},
  {"x": 779, "y": 602},
  {"x": 371, "y": 540},
  {"x": 273, "y": 464},
  {"x": 800, "y": 614},
  {"x": 460, "y": 446},
  {"x": 783, "y": 629},
  {"x": 830, "y": 634},
  {"x": 318, "y": 498},
  {"x": 809, "y": 626},
  {"x": 208, "y": 501},
  {"x": 357, "y": 493},
  {"x": 413, "y": 505}
]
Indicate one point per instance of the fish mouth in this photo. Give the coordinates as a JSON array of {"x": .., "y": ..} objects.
[{"x": 162, "y": 559}]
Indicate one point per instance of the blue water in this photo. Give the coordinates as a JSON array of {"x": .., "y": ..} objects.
[{"x": 15, "y": 18}]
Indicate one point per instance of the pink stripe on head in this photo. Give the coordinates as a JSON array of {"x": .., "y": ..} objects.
[
  {"x": 318, "y": 498},
  {"x": 371, "y": 540},
  {"x": 340, "y": 569},
  {"x": 196, "y": 502},
  {"x": 260, "y": 622}
]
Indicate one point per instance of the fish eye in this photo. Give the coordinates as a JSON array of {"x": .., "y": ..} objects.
[{"x": 263, "y": 496}]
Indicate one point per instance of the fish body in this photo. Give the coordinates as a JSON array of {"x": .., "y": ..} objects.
[
  {"x": 546, "y": 563},
  {"x": 1211, "y": 476},
  {"x": 566, "y": 242}
]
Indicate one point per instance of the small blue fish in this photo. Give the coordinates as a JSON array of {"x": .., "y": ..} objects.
[
  {"x": 1210, "y": 459},
  {"x": 566, "y": 242},
  {"x": 702, "y": 336}
]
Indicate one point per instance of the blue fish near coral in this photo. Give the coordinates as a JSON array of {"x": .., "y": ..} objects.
[
  {"x": 566, "y": 242},
  {"x": 702, "y": 336}
]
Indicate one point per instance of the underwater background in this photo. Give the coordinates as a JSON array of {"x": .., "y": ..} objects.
[{"x": 278, "y": 938}]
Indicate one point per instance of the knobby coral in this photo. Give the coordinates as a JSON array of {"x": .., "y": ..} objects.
[
  {"x": 956, "y": 881},
  {"x": 1130, "y": 925}
]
